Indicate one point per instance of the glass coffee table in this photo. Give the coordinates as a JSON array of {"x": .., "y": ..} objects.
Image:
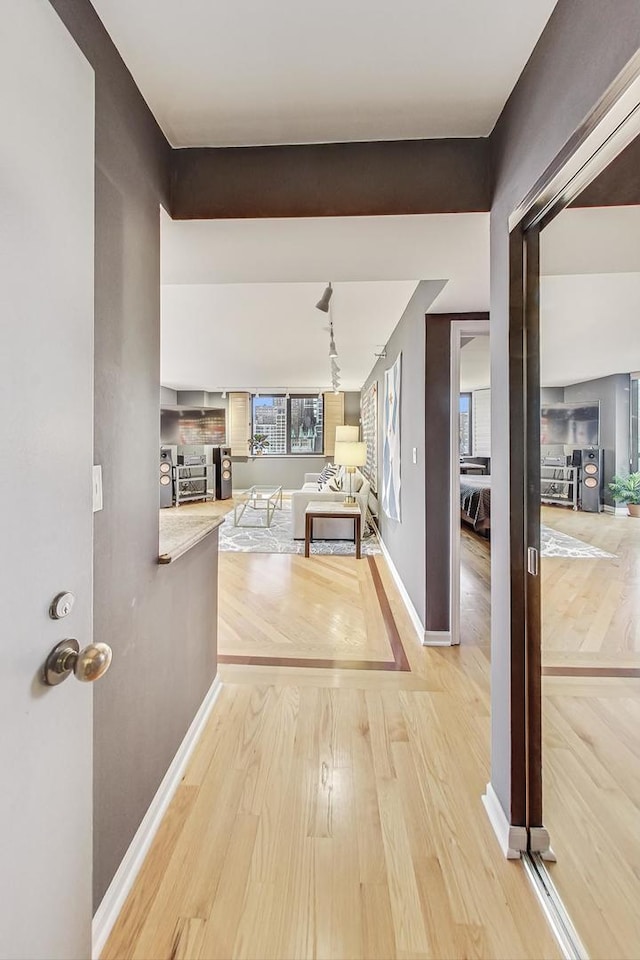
[{"x": 262, "y": 502}]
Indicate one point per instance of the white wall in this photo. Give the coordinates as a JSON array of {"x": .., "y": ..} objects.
[{"x": 588, "y": 326}]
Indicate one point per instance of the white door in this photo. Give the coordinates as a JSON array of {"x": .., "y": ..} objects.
[{"x": 46, "y": 439}]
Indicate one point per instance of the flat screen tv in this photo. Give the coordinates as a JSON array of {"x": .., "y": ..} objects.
[{"x": 570, "y": 424}]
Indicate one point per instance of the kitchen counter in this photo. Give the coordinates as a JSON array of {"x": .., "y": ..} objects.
[{"x": 181, "y": 532}]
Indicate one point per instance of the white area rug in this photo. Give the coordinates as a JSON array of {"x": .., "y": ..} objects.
[
  {"x": 557, "y": 544},
  {"x": 278, "y": 538}
]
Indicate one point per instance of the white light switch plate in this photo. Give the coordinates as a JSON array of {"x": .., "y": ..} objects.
[
  {"x": 415, "y": 454},
  {"x": 97, "y": 488}
]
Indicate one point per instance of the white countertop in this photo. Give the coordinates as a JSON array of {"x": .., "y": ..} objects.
[{"x": 181, "y": 532}]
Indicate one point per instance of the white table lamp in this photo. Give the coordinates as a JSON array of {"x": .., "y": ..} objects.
[
  {"x": 346, "y": 434},
  {"x": 350, "y": 454}
]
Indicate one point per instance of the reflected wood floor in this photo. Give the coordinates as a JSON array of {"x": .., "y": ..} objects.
[
  {"x": 592, "y": 807},
  {"x": 591, "y": 724},
  {"x": 591, "y": 607},
  {"x": 333, "y": 813},
  {"x": 591, "y": 729}
]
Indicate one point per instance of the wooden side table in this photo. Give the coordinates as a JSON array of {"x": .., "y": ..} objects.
[{"x": 327, "y": 510}]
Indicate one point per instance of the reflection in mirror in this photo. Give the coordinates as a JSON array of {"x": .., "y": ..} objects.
[
  {"x": 475, "y": 489},
  {"x": 589, "y": 362}
]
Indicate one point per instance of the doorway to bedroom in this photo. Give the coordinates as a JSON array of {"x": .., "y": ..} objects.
[{"x": 471, "y": 484}]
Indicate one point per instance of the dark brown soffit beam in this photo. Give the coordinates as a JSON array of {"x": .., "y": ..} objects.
[{"x": 331, "y": 179}]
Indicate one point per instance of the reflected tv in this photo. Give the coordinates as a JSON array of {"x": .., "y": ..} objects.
[{"x": 570, "y": 424}]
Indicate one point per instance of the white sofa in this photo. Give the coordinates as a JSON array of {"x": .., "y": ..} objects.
[{"x": 327, "y": 529}]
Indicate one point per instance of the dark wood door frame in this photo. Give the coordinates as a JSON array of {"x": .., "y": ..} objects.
[
  {"x": 438, "y": 480},
  {"x": 591, "y": 149},
  {"x": 524, "y": 490}
]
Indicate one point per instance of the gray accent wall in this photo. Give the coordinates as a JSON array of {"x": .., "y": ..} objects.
[
  {"x": 405, "y": 539},
  {"x": 614, "y": 394},
  {"x": 580, "y": 53},
  {"x": 159, "y": 620}
]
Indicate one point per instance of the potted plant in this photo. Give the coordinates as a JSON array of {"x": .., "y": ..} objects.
[
  {"x": 627, "y": 490},
  {"x": 258, "y": 443}
]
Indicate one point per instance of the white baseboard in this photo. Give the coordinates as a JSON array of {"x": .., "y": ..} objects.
[
  {"x": 512, "y": 840},
  {"x": 437, "y": 638},
  {"x": 418, "y": 626},
  {"x": 119, "y": 888}
]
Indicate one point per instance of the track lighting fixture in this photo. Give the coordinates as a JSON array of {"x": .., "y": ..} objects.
[
  {"x": 333, "y": 353},
  {"x": 323, "y": 302}
]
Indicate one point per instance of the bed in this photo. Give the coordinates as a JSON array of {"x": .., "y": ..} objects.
[{"x": 475, "y": 502}]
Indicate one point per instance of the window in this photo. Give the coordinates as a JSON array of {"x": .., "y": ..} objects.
[
  {"x": 465, "y": 425},
  {"x": 292, "y": 425}
]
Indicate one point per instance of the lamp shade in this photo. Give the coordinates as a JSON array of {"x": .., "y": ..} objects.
[
  {"x": 347, "y": 434},
  {"x": 349, "y": 454}
]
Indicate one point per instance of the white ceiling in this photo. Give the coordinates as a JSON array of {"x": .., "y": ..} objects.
[
  {"x": 269, "y": 336},
  {"x": 238, "y": 297},
  {"x": 224, "y": 72}
]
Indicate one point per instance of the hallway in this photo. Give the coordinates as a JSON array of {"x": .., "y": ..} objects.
[{"x": 333, "y": 812}]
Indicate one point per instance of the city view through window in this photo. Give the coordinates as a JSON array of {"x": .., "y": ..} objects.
[
  {"x": 465, "y": 424},
  {"x": 291, "y": 425}
]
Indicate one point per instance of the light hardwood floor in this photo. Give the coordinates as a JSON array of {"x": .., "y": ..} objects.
[
  {"x": 333, "y": 812},
  {"x": 330, "y": 610}
]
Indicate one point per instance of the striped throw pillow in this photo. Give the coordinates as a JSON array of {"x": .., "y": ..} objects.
[{"x": 329, "y": 471}]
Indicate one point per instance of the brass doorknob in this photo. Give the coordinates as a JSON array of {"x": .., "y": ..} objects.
[{"x": 87, "y": 665}]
